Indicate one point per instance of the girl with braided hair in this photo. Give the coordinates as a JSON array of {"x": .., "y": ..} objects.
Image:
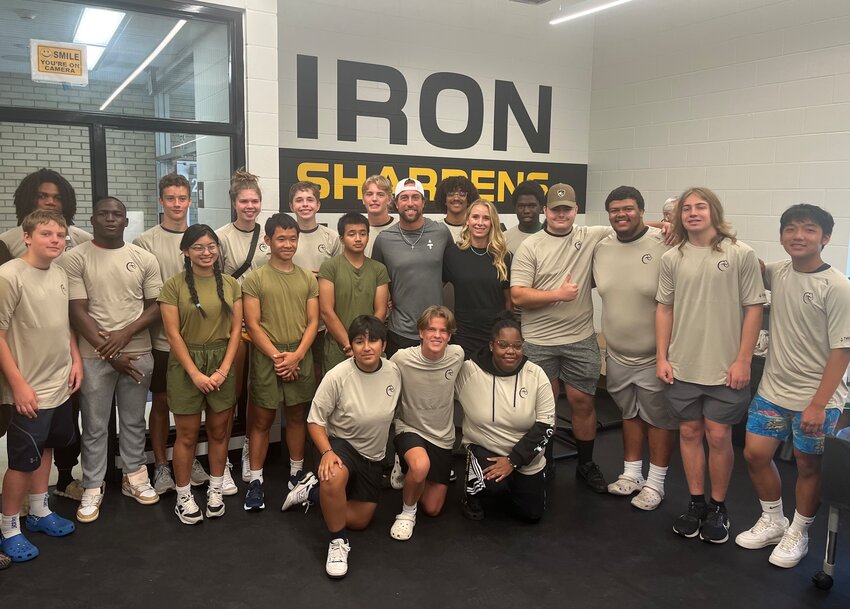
[{"x": 202, "y": 316}]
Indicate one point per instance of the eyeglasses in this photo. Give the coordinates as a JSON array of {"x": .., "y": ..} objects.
[
  {"x": 503, "y": 344},
  {"x": 212, "y": 248},
  {"x": 457, "y": 193}
]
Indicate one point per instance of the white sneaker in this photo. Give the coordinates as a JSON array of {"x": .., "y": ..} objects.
[
  {"x": 228, "y": 486},
  {"x": 300, "y": 495},
  {"x": 138, "y": 486},
  {"x": 791, "y": 549},
  {"x": 89, "y": 508},
  {"x": 246, "y": 462},
  {"x": 198, "y": 477},
  {"x": 397, "y": 476},
  {"x": 337, "y": 563},
  {"x": 215, "y": 503},
  {"x": 765, "y": 532},
  {"x": 187, "y": 510}
]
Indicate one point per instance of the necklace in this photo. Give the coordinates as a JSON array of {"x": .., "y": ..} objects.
[
  {"x": 412, "y": 245},
  {"x": 475, "y": 251}
]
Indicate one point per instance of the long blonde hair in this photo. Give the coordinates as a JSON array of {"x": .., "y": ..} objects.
[
  {"x": 496, "y": 245},
  {"x": 723, "y": 228}
]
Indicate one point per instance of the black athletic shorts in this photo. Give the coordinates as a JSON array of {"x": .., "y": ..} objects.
[
  {"x": 527, "y": 492},
  {"x": 160, "y": 371},
  {"x": 364, "y": 476},
  {"x": 440, "y": 458},
  {"x": 27, "y": 438}
]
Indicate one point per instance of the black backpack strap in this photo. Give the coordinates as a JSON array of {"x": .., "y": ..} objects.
[{"x": 250, "y": 257}]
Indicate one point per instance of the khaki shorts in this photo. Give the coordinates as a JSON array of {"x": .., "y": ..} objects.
[
  {"x": 268, "y": 390},
  {"x": 184, "y": 397}
]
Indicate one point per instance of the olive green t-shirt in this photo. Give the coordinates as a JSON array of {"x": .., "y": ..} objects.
[
  {"x": 626, "y": 276},
  {"x": 354, "y": 289},
  {"x": 283, "y": 300},
  {"x": 708, "y": 290},
  {"x": 194, "y": 329},
  {"x": 809, "y": 317},
  {"x": 34, "y": 314}
]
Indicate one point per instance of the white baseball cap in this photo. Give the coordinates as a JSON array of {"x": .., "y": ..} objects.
[{"x": 409, "y": 184}]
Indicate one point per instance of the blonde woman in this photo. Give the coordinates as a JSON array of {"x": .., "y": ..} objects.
[{"x": 479, "y": 268}]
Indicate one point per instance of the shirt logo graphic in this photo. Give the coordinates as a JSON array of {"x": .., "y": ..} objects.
[
  {"x": 449, "y": 374},
  {"x": 264, "y": 248},
  {"x": 131, "y": 266},
  {"x": 578, "y": 245},
  {"x": 808, "y": 297},
  {"x": 390, "y": 390},
  {"x": 430, "y": 245},
  {"x": 723, "y": 265},
  {"x": 322, "y": 248},
  {"x": 62, "y": 287},
  {"x": 523, "y": 392},
  {"x": 646, "y": 258}
]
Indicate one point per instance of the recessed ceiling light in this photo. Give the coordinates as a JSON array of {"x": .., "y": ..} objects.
[{"x": 588, "y": 9}]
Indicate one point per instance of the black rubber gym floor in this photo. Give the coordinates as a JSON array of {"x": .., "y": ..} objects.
[{"x": 589, "y": 551}]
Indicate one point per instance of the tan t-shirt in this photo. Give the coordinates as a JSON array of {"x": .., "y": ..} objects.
[
  {"x": 708, "y": 290},
  {"x": 358, "y": 406},
  {"x": 374, "y": 231},
  {"x": 514, "y": 238},
  {"x": 235, "y": 244},
  {"x": 116, "y": 283},
  {"x": 426, "y": 406},
  {"x": 454, "y": 229},
  {"x": 14, "y": 239},
  {"x": 283, "y": 301},
  {"x": 809, "y": 316},
  {"x": 542, "y": 262},
  {"x": 194, "y": 328},
  {"x": 34, "y": 315},
  {"x": 626, "y": 275},
  {"x": 165, "y": 246},
  {"x": 499, "y": 410},
  {"x": 315, "y": 247}
]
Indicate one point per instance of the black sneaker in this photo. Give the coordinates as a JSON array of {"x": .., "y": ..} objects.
[
  {"x": 715, "y": 529},
  {"x": 472, "y": 507},
  {"x": 688, "y": 524},
  {"x": 592, "y": 476},
  {"x": 255, "y": 497}
]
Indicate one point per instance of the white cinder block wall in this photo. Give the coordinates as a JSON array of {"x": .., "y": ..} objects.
[{"x": 750, "y": 98}]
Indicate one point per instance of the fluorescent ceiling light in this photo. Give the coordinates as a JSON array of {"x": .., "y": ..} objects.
[
  {"x": 93, "y": 55},
  {"x": 97, "y": 26},
  {"x": 168, "y": 37},
  {"x": 586, "y": 12}
]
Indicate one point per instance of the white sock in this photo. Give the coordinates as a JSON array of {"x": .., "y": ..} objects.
[
  {"x": 216, "y": 481},
  {"x": 408, "y": 509},
  {"x": 773, "y": 510},
  {"x": 184, "y": 490},
  {"x": 633, "y": 470},
  {"x": 10, "y": 525},
  {"x": 257, "y": 474},
  {"x": 38, "y": 505},
  {"x": 656, "y": 477},
  {"x": 801, "y": 523},
  {"x": 295, "y": 466}
]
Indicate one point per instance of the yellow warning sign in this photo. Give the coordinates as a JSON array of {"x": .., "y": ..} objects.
[{"x": 58, "y": 62}]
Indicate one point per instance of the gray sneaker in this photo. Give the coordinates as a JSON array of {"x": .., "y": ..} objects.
[
  {"x": 199, "y": 477},
  {"x": 163, "y": 481}
]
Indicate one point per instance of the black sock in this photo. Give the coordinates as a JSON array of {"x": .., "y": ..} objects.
[
  {"x": 585, "y": 451},
  {"x": 65, "y": 478},
  {"x": 698, "y": 499},
  {"x": 341, "y": 534},
  {"x": 720, "y": 504}
]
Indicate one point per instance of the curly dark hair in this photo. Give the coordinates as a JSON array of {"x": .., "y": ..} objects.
[
  {"x": 452, "y": 184},
  {"x": 26, "y": 194}
]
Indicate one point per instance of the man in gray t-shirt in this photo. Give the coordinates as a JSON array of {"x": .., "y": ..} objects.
[{"x": 412, "y": 251}]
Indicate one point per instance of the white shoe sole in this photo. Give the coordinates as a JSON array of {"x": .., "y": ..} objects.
[
  {"x": 215, "y": 514},
  {"x": 187, "y": 520},
  {"x": 756, "y": 545},
  {"x": 142, "y": 500}
]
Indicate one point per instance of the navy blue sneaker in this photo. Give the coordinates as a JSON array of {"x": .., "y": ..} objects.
[
  {"x": 255, "y": 497},
  {"x": 295, "y": 479}
]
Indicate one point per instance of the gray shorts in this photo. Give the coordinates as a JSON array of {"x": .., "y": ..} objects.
[
  {"x": 577, "y": 364},
  {"x": 639, "y": 393},
  {"x": 718, "y": 403}
]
